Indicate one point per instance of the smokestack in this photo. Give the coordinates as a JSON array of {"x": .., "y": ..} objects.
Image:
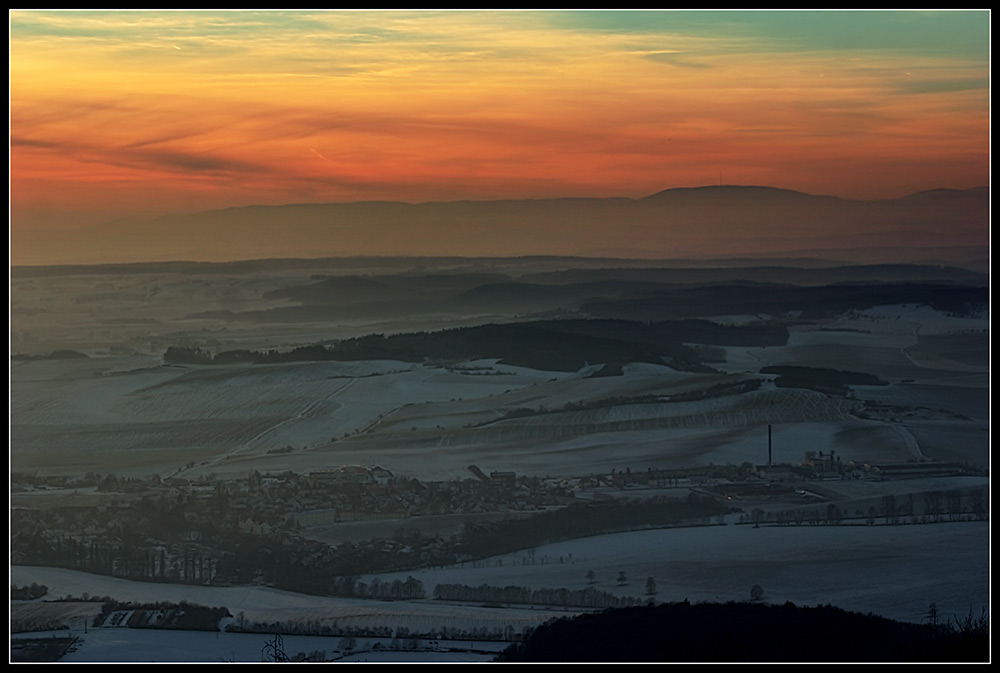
[{"x": 769, "y": 445}]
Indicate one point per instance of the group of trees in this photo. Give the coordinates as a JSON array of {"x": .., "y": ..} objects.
[
  {"x": 589, "y": 597},
  {"x": 583, "y": 519},
  {"x": 396, "y": 590},
  {"x": 28, "y": 593},
  {"x": 554, "y": 345},
  {"x": 832, "y": 381},
  {"x": 927, "y": 507},
  {"x": 54, "y": 355},
  {"x": 812, "y": 301},
  {"x": 350, "y": 633},
  {"x": 155, "y": 539},
  {"x": 162, "y": 615},
  {"x": 135, "y": 557}
]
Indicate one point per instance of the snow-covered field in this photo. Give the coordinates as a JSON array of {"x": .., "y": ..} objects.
[
  {"x": 122, "y": 410},
  {"x": 162, "y": 646},
  {"x": 892, "y": 571},
  {"x": 424, "y": 421}
]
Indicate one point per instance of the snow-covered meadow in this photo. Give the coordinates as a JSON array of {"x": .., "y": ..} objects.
[
  {"x": 892, "y": 571},
  {"x": 431, "y": 423},
  {"x": 123, "y": 410},
  {"x": 164, "y": 646}
]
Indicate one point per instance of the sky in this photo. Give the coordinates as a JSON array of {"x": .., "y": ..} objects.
[{"x": 124, "y": 113}]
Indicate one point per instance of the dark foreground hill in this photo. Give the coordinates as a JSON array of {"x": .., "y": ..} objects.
[{"x": 749, "y": 633}]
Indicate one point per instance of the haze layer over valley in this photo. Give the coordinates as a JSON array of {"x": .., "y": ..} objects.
[{"x": 704, "y": 223}]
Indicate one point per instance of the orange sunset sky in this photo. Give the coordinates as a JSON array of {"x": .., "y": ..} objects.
[{"x": 117, "y": 113}]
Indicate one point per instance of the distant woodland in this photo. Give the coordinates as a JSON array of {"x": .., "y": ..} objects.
[
  {"x": 821, "y": 379},
  {"x": 563, "y": 345},
  {"x": 808, "y": 302},
  {"x": 652, "y": 296},
  {"x": 54, "y": 355}
]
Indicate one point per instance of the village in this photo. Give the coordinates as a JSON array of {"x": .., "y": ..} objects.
[{"x": 293, "y": 530}]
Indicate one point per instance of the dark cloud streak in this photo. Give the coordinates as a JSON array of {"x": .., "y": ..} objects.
[
  {"x": 675, "y": 59},
  {"x": 197, "y": 163},
  {"x": 18, "y": 141},
  {"x": 128, "y": 157}
]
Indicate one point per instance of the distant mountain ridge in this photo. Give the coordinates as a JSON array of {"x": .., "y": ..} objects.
[
  {"x": 699, "y": 222},
  {"x": 745, "y": 191}
]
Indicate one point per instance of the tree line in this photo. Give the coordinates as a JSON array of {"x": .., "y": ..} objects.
[
  {"x": 556, "y": 345},
  {"x": 161, "y": 615},
  {"x": 578, "y": 598},
  {"x": 482, "y": 539}
]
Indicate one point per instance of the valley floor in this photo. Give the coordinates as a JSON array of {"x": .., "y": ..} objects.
[{"x": 895, "y": 571}]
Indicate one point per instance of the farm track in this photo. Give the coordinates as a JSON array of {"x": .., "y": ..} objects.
[
  {"x": 314, "y": 409},
  {"x": 164, "y": 435},
  {"x": 361, "y": 408}
]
